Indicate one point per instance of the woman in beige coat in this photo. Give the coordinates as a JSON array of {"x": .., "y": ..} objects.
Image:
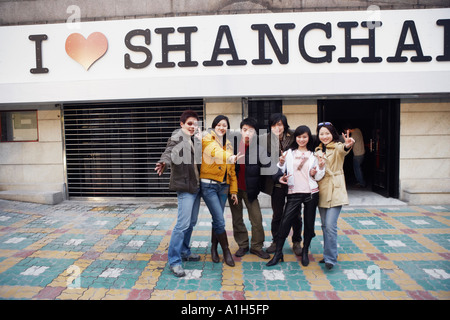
[{"x": 332, "y": 190}]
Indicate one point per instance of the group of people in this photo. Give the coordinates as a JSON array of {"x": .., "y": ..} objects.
[{"x": 218, "y": 166}]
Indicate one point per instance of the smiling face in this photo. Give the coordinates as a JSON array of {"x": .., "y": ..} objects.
[
  {"x": 302, "y": 140},
  {"x": 325, "y": 136},
  {"x": 190, "y": 126},
  {"x": 221, "y": 128}
]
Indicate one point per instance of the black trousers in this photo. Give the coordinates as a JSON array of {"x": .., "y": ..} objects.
[
  {"x": 292, "y": 213},
  {"x": 278, "y": 201}
]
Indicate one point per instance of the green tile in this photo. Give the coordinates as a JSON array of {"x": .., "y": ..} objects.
[
  {"x": 431, "y": 275},
  {"x": 359, "y": 276}
]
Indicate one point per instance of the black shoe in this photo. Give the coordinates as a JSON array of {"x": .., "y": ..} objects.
[
  {"x": 305, "y": 258},
  {"x": 329, "y": 266},
  {"x": 322, "y": 261},
  {"x": 260, "y": 253},
  {"x": 276, "y": 258},
  {"x": 241, "y": 252}
]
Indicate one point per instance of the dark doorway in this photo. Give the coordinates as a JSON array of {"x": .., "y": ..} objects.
[
  {"x": 261, "y": 111},
  {"x": 379, "y": 122}
]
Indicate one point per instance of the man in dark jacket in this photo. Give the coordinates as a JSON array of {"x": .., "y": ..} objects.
[
  {"x": 183, "y": 155},
  {"x": 248, "y": 172}
]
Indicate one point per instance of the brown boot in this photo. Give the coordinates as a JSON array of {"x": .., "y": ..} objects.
[
  {"x": 214, "y": 241},
  {"x": 297, "y": 248},
  {"x": 227, "y": 257}
]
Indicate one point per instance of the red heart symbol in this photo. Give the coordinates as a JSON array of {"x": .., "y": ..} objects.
[{"x": 86, "y": 51}]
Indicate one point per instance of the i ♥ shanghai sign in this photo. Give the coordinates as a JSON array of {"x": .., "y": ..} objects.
[{"x": 285, "y": 54}]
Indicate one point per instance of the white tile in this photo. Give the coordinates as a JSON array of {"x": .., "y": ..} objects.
[
  {"x": 135, "y": 243},
  {"x": 199, "y": 244},
  {"x": 355, "y": 274},
  {"x": 74, "y": 242},
  {"x": 367, "y": 223},
  {"x": 4, "y": 218},
  {"x": 267, "y": 244},
  {"x": 152, "y": 223},
  {"x": 111, "y": 273},
  {"x": 192, "y": 274},
  {"x": 14, "y": 240},
  {"x": 419, "y": 222},
  {"x": 205, "y": 224},
  {"x": 34, "y": 271},
  {"x": 394, "y": 243},
  {"x": 437, "y": 273},
  {"x": 273, "y": 275},
  {"x": 100, "y": 223}
]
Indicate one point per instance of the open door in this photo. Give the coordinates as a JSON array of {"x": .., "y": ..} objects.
[
  {"x": 384, "y": 149},
  {"x": 379, "y": 121}
]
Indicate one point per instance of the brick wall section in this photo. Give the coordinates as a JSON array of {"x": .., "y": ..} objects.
[{"x": 18, "y": 12}]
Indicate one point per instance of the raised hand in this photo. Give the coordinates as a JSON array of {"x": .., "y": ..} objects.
[
  {"x": 235, "y": 158},
  {"x": 349, "y": 141}
]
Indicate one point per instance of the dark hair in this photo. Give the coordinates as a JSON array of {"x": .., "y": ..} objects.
[
  {"x": 299, "y": 131},
  {"x": 274, "y": 118},
  {"x": 188, "y": 114},
  {"x": 218, "y": 119},
  {"x": 250, "y": 122},
  {"x": 330, "y": 128}
]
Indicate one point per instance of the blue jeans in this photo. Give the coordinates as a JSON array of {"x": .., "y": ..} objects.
[
  {"x": 188, "y": 207},
  {"x": 357, "y": 162},
  {"x": 215, "y": 196},
  {"x": 329, "y": 217}
]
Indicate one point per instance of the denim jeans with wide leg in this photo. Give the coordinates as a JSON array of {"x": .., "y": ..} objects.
[
  {"x": 179, "y": 246},
  {"x": 215, "y": 196},
  {"x": 329, "y": 217}
]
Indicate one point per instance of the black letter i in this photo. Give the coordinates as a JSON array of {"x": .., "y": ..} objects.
[{"x": 38, "y": 38}]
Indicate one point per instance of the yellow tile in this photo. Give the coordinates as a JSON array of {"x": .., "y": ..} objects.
[
  {"x": 19, "y": 292},
  {"x": 94, "y": 294},
  {"x": 441, "y": 295},
  {"x": 117, "y": 294},
  {"x": 72, "y": 293},
  {"x": 397, "y": 295}
]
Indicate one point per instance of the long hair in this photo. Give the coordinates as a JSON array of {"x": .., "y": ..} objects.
[
  {"x": 216, "y": 121},
  {"x": 330, "y": 128},
  {"x": 274, "y": 118},
  {"x": 299, "y": 131}
]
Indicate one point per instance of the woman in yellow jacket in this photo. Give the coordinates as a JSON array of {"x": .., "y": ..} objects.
[
  {"x": 217, "y": 179},
  {"x": 332, "y": 190}
]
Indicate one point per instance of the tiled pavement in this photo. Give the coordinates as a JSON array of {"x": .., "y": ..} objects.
[{"x": 92, "y": 250}]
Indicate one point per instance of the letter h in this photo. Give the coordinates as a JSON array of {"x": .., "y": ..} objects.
[{"x": 186, "y": 47}]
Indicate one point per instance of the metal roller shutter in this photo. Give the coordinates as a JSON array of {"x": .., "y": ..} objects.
[{"x": 111, "y": 148}]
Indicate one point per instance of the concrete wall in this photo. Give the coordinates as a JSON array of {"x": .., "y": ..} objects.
[
  {"x": 301, "y": 112},
  {"x": 55, "y": 11},
  {"x": 232, "y": 108},
  {"x": 424, "y": 152},
  {"x": 35, "y": 166}
]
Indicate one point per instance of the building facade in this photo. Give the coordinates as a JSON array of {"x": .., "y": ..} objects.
[{"x": 91, "y": 90}]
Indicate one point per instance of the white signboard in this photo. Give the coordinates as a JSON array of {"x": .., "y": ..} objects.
[{"x": 279, "y": 54}]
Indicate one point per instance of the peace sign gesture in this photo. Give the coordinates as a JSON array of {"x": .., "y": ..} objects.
[
  {"x": 349, "y": 141},
  {"x": 235, "y": 158}
]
